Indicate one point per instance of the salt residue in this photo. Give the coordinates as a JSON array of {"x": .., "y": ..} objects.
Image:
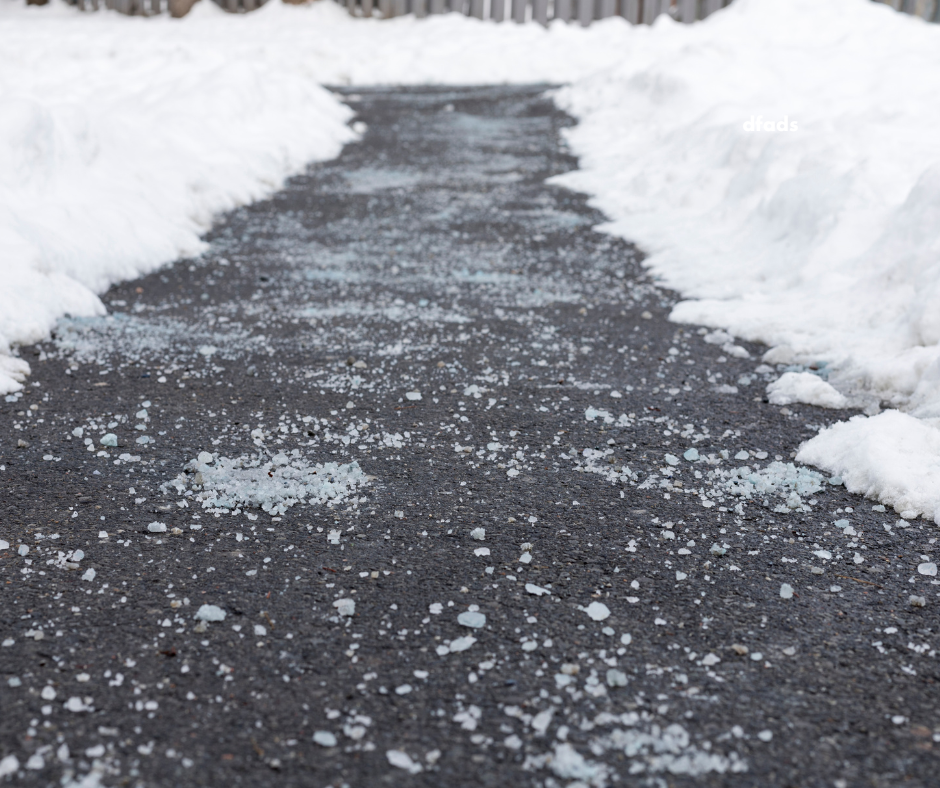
[
  {"x": 785, "y": 480},
  {"x": 222, "y": 484}
]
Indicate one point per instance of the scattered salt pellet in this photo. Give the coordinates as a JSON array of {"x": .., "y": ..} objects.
[
  {"x": 710, "y": 659},
  {"x": 404, "y": 689},
  {"x": 786, "y": 591},
  {"x": 472, "y": 619},
  {"x": 23, "y": 549},
  {"x": 75, "y": 704},
  {"x": 89, "y": 575},
  {"x": 681, "y": 575},
  {"x": 9, "y": 765},
  {"x": 102, "y": 534},
  {"x": 598, "y": 611},
  {"x": 531, "y": 588},
  {"x": 765, "y": 735},
  {"x": 541, "y": 721},
  {"x": 917, "y": 601},
  {"x": 413, "y": 396},
  {"x": 478, "y": 533},
  {"x": 324, "y": 739},
  {"x": 345, "y": 607},
  {"x": 109, "y": 440},
  {"x": 402, "y": 760},
  {"x": 928, "y": 568},
  {"x": 482, "y": 551},
  {"x": 462, "y": 644},
  {"x": 210, "y": 613},
  {"x": 626, "y": 638},
  {"x": 4, "y": 545},
  {"x": 157, "y": 528},
  {"x": 333, "y": 537},
  {"x": 399, "y": 514},
  {"x": 205, "y": 458},
  {"x": 525, "y": 558},
  {"x": 671, "y": 459},
  {"x": 691, "y": 455},
  {"x": 616, "y": 678},
  {"x": 48, "y": 693},
  {"x": 435, "y": 608}
]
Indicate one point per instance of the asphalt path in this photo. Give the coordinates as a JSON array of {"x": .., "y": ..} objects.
[{"x": 474, "y": 511}]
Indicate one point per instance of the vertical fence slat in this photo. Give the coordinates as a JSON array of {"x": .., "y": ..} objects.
[
  {"x": 419, "y": 8},
  {"x": 585, "y": 12},
  {"x": 436, "y": 7},
  {"x": 630, "y": 10},
  {"x": 606, "y": 8},
  {"x": 709, "y": 7},
  {"x": 540, "y": 12},
  {"x": 561, "y": 9},
  {"x": 476, "y": 9},
  {"x": 688, "y": 11},
  {"x": 367, "y": 7},
  {"x": 498, "y": 10},
  {"x": 518, "y": 11}
]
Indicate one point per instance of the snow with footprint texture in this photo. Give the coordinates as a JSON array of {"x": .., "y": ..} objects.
[{"x": 822, "y": 240}]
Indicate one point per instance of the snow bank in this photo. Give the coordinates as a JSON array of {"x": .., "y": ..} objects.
[
  {"x": 818, "y": 234},
  {"x": 892, "y": 457},
  {"x": 805, "y": 387},
  {"x": 121, "y": 137}
]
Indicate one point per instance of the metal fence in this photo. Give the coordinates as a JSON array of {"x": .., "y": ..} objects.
[
  {"x": 153, "y": 7},
  {"x": 541, "y": 11},
  {"x": 582, "y": 11}
]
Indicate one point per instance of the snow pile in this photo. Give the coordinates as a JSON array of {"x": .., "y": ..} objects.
[
  {"x": 805, "y": 387},
  {"x": 784, "y": 480},
  {"x": 222, "y": 484},
  {"x": 121, "y": 137},
  {"x": 892, "y": 457},
  {"x": 821, "y": 240}
]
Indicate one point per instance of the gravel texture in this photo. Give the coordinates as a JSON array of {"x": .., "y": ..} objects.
[{"x": 508, "y": 568}]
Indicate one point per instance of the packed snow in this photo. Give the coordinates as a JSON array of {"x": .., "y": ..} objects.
[
  {"x": 788, "y": 187},
  {"x": 805, "y": 387}
]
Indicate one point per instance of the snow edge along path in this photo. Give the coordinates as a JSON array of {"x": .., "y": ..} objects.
[{"x": 818, "y": 236}]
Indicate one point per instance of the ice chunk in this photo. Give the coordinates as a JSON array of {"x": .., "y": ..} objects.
[
  {"x": 324, "y": 738},
  {"x": 402, "y": 760},
  {"x": 210, "y": 613},
  {"x": 462, "y": 644},
  {"x": 157, "y": 528},
  {"x": 478, "y": 533},
  {"x": 807, "y": 388},
  {"x": 671, "y": 459},
  {"x": 345, "y": 607},
  {"x": 205, "y": 458},
  {"x": 786, "y": 591},
  {"x": 413, "y": 396},
  {"x": 598, "y": 611},
  {"x": 928, "y": 568},
  {"x": 109, "y": 440},
  {"x": 691, "y": 455},
  {"x": 472, "y": 619},
  {"x": 531, "y": 588}
]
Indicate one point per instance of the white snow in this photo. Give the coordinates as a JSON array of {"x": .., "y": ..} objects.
[
  {"x": 893, "y": 457},
  {"x": 807, "y": 388}
]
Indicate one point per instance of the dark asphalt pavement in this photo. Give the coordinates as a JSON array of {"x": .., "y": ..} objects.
[{"x": 500, "y": 417}]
